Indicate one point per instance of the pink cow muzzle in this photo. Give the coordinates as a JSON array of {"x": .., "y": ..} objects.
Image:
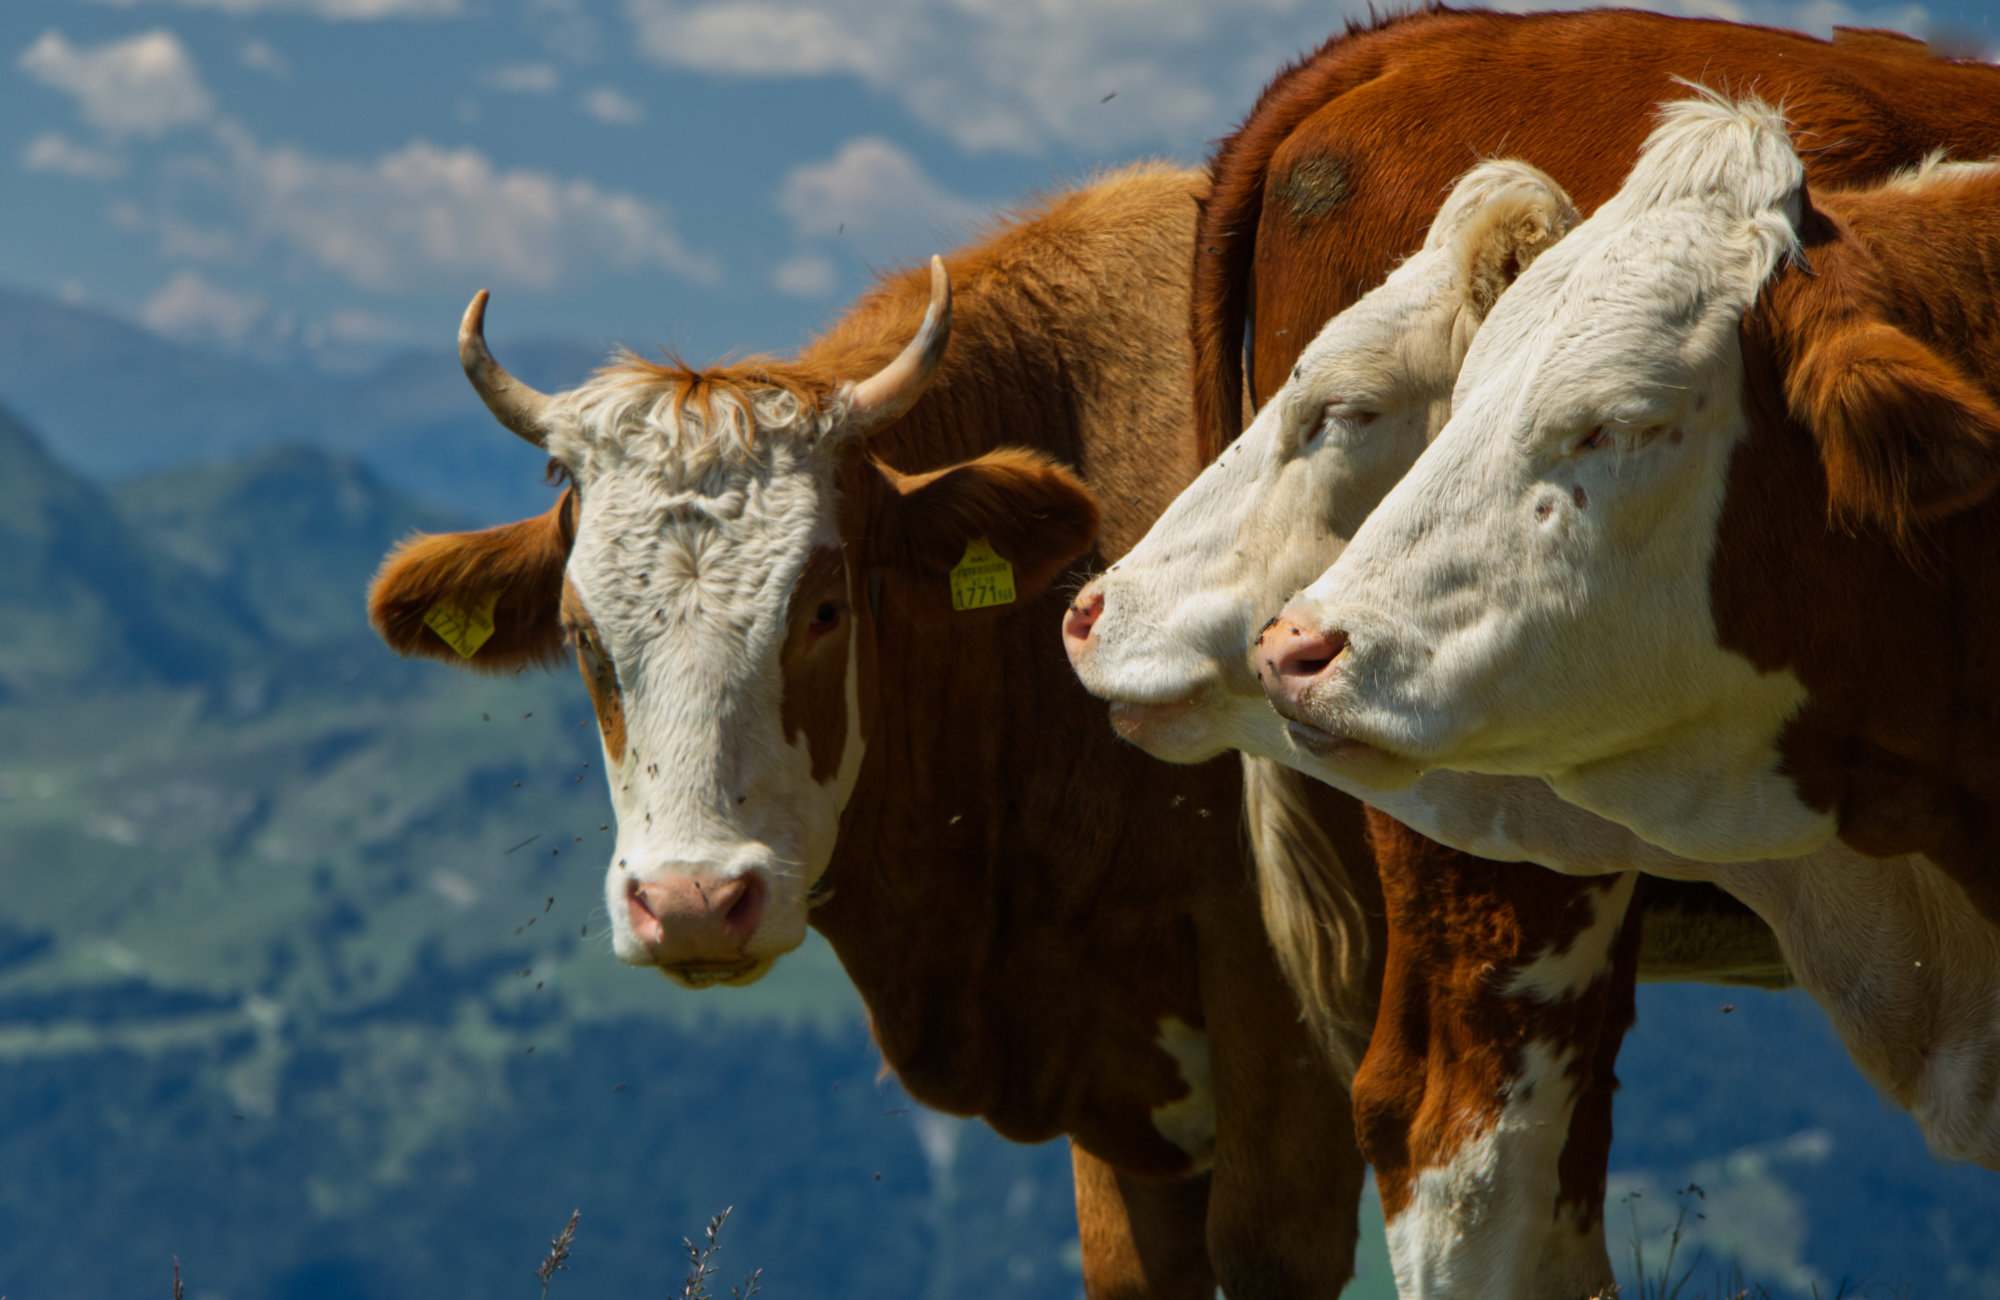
[{"x": 695, "y": 929}]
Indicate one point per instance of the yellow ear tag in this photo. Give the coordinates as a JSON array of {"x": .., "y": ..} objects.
[
  {"x": 464, "y": 630},
  {"x": 982, "y": 579}
]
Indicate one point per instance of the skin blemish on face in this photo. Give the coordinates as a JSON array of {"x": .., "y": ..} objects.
[
  {"x": 1578, "y": 496},
  {"x": 1544, "y": 509}
]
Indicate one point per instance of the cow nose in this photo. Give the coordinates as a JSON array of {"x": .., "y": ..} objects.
[
  {"x": 681, "y": 918},
  {"x": 1081, "y": 620},
  {"x": 1291, "y": 661}
]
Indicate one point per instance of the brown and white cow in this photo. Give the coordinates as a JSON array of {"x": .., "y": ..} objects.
[
  {"x": 1484, "y": 1096},
  {"x": 1330, "y": 180},
  {"x": 1051, "y": 931},
  {"x": 1514, "y": 600},
  {"x": 1729, "y": 584}
]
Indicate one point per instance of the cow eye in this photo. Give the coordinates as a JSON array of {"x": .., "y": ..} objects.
[
  {"x": 1340, "y": 414},
  {"x": 825, "y": 616},
  {"x": 1595, "y": 439}
]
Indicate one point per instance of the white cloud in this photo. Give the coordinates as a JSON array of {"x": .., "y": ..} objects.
[
  {"x": 523, "y": 78},
  {"x": 876, "y": 198},
  {"x": 1022, "y": 75},
  {"x": 143, "y": 85},
  {"x": 607, "y": 105},
  {"x": 55, "y": 152},
  {"x": 191, "y": 308},
  {"x": 337, "y": 10},
  {"x": 997, "y": 74},
  {"x": 426, "y": 212},
  {"x": 809, "y": 275},
  {"x": 260, "y": 55}
]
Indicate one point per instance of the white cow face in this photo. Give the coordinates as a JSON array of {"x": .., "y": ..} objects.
[
  {"x": 1164, "y": 633},
  {"x": 1533, "y": 597},
  {"x": 698, "y": 569},
  {"x": 714, "y": 568},
  {"x": 712, "y": 595}
]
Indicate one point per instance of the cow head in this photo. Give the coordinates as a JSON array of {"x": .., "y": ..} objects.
[
  {"x": 1165, "y": 632},
  {"x": 1535, "y": 596},
  {"x": 713, "y": 565}
]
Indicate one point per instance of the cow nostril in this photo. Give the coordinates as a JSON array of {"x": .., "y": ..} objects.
[
  {"x": 1081, "y": 618},
  {"x": 741, "y": 913},
  {"x": 1308, "y": 655}
]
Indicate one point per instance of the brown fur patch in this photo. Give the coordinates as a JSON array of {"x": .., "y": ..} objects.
[
  {"x": 815, "y": 665},
  {"x": 600, "y": 675},
  {"x": 1859, "y": 544}
]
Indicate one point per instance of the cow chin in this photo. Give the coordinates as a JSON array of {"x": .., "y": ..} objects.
[
  {"x": 1347, "y": 761},
  {"x": 704, "y": 975},
  {"x": 1182, "y": 732}
]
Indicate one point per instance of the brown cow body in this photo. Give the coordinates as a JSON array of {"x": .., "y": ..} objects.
[
  {"x": 1331, "y": 180},
  {"x": 1051, "y": 931}
]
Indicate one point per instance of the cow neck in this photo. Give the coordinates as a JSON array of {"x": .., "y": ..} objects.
[
  {"x": 1017, "y": 893},
  {"x": 1898, "y": 646}
]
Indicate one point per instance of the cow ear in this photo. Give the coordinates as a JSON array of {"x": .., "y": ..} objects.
[
  {"x": 490, "y": 601},
  {"x": 1498, "y": 219},
  {"x": 1033, "y": 513},
  {"x": 1905, "y": 437}
]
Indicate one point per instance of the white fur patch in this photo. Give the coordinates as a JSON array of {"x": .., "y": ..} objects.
[
  {"x": 1189, "y": 1122},
  {"x": 1485, "y": 1227}
]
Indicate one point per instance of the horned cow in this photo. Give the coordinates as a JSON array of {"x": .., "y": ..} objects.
[{"x": 757, "y": 568}]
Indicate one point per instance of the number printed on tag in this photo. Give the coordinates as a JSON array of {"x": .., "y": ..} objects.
[
  {"x": 982, "y": 579},
  {"x": 463, "y": 629}
]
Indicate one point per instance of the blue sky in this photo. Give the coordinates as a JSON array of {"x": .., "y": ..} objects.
[{"x": 323, "y": 178}]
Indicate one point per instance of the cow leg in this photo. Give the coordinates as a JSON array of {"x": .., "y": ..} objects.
[
  {"x": 1285, "y": 1205},
  {"x": 1141, "y": 1237},
  {"x": 1484, "y": 1101}
]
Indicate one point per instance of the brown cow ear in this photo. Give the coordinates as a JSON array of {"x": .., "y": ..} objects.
[
  {"x": 1904, "y": 436},
  {"x": 1033, "y": 513},
  {"x": 490, "y": 601}
]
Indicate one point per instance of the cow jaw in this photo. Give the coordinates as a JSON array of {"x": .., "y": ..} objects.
[
  {"x": 706, "y": 597},
  {"x": 1533, "y": 599}
]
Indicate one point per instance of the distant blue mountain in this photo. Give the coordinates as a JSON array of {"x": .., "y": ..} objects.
[{"x": 114, "y": 400}]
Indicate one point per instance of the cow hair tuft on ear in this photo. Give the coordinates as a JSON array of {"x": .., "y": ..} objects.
[
  {"x": 1497, "y": 220},
  {"x": 1903, "y": 435},
  {"x": 519, "y": 565},
  {"x": 1035, "y": 511}
]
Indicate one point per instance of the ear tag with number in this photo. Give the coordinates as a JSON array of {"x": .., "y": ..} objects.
[
  {"x": 463, "y": 629},
  {"x": 982, "y": 579}
]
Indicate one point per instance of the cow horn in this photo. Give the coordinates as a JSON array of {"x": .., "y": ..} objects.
[
  {"x": 512, "y": 402},
  {"x": 895, "y": 388}
]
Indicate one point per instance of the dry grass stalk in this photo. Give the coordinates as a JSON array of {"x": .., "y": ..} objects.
[
  {"x": 701, "y": 1266},
  {"x": 557, "y": 1260}
]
